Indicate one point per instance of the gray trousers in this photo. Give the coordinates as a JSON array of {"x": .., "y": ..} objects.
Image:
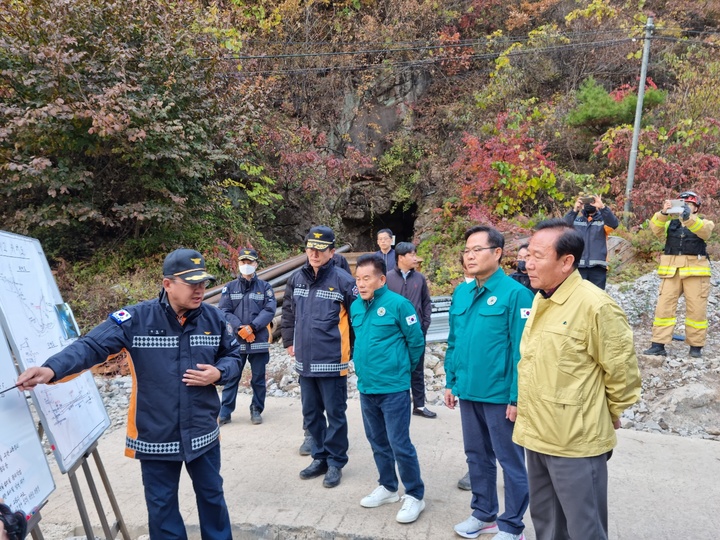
[{"x": 568, "y": 496}]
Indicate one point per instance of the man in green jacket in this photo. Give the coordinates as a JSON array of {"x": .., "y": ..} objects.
[
  {"x": 388, "y": 345},
  {"x": 577, "y": 375},
  {"x": 487, "y": 317}
]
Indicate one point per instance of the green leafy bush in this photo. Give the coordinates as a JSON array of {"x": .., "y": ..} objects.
[{"x": 598, "y": 110}]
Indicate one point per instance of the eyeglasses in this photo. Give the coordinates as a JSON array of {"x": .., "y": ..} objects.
[{"x": 476, "y": 250}]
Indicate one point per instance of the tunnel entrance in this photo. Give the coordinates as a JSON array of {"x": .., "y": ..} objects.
[{"x": 401, "y": 221}]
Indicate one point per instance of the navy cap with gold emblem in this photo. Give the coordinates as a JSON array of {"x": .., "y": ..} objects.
[
  {"x": 186, "y": 264},
  {"x": 320, "y": 238},
  {"x": 247, "y": 253}
]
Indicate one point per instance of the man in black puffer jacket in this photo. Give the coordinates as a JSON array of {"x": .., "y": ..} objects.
[{"x": 594, "y": 221}]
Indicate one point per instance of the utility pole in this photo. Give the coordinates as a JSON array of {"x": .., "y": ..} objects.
[{"x": 649, "y": 26}]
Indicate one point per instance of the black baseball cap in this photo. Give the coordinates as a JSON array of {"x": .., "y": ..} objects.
[
  {"x": 247, "y": 253},
  {"x": 186, "y": 264},
  {"x": 320, "y": 238}
]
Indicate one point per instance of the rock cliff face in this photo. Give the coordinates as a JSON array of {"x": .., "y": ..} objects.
[
  {"x": 369, "y": 202},
  {"x": 367, "y": 118}
]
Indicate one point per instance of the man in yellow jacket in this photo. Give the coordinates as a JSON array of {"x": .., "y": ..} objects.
[
  {"x": 577, "y": 373},
  {"x": 684, "y": 269}
]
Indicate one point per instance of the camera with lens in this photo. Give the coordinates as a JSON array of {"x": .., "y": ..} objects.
[{"x": 14, "y": 522}]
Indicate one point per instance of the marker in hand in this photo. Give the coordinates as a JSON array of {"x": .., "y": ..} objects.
[{"x": 8, "y": 389}]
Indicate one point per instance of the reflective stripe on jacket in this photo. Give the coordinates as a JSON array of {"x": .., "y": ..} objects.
[
  {"x": 167, "y": 419},
  {"x": 684, "y": 266},
  {"x": 316, "y": 320},
  {"x": 249, "y": 302}
]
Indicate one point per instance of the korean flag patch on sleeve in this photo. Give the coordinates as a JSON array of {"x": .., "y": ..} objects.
[
  {"x": 524, "y": 312},
  {"x": 121, "y": 316},
  {"x": 412, "y": 319}
]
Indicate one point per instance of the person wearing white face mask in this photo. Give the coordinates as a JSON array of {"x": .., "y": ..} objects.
[{"x": 249, "y": 306}]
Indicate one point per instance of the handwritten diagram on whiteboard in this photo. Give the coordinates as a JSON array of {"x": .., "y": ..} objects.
[
  {"x": 25, "y": 478},
  {"x": 72, "y": 412}
]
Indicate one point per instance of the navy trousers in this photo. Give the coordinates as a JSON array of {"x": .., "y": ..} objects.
[
  {"x": 595, "y": 274},
  {"x": 386, "y": 418},
  {"x": 324, "y": 406},
  {"x": 487, "y": 436},
  {"x": 258, "y": 362},
  {"x": 161, "y": 480}
]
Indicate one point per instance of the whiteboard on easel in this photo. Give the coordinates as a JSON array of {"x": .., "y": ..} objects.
[
  {"x": 25, "y": 478},
  {"x": 38, "y": 324}
]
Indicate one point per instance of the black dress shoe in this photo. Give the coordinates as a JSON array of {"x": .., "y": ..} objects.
[
  {"x": 315, "y": 469},
  {"x": 332, "y": 477},
  {"x": 427, "y": 413}
]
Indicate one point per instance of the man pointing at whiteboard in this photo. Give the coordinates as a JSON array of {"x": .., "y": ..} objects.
[{"x": 180, "y": 349}]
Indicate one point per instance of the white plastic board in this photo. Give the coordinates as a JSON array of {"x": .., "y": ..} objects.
[
  {"x": 36, "y": 326},
  {"x": 25, "y": 478}
]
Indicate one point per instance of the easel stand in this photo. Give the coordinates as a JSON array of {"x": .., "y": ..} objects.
[
  {"x": 119, "y": 525},
  {"x": 34, "y": 527}
]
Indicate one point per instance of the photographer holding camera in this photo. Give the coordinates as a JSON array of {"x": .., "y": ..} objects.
[
  {"x": 13, "y": 525},
  {"x": 594, "y": 221},
  {"x": 684, "y": 269}
]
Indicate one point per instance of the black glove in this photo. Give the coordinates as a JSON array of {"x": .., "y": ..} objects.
[{"x": 685, "y": 213}]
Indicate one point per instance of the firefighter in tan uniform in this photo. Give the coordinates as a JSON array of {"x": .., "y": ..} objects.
[{"x": 684, "y": 269}]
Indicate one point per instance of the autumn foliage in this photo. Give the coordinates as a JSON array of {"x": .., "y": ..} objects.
[
  {"x": 152, "y": 123},
  {"x": 507, "y": 173},
  {"x": 670, "y": 161}
]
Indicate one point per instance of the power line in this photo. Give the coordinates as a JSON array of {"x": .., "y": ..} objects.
[
  {"x": 438, "y": 59},
  {"x": 505, "y": 41},
  {"x": 257, "y": 42},
  {"x": 424, "y": 62},
  {"x": 686, "y": 41}
]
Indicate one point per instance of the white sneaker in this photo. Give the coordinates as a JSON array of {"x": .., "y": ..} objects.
[
  {"x": 410, "y": 510},
  {"x": 379, "y": 497},
  {"x": 472, "y": 527},
  {"x": 504, "y": 535}
]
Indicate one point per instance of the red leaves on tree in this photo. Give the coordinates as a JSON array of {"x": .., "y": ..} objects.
[
  {"x": 683, "y": 158},
  {"x": 506, "y": 173}
]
